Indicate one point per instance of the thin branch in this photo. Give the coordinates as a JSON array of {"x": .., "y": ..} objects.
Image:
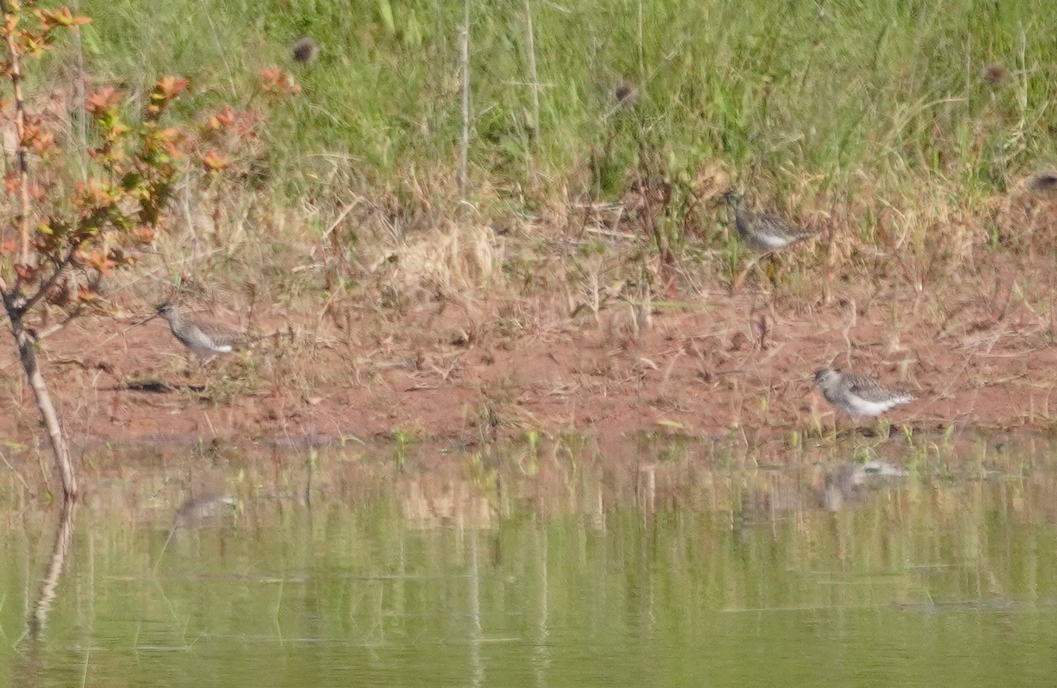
[
  {"x": 80, "y": 112},
  {"x": 59, "y": 271},
  {"x": 15, "y": 71},
  {"x": 40, "y": 335}
]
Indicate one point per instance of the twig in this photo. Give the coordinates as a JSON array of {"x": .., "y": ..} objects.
[
  {"x": 70, "y": 317},
  {"x": 341, "y": 216},
  {"x": 59, "y": 272},
  {"x": 16, "y": 473}
]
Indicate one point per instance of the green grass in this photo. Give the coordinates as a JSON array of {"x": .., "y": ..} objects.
[{"x": 788, "y": 95}]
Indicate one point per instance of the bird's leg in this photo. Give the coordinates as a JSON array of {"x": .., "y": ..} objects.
[
  {"x": 196, "y": 367},
  {"x": 883, "y": 428},
  {"x": 753, "y": 263},
  {"x": 774, "y": 264}
]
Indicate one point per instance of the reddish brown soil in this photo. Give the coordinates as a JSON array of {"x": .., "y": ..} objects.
[{"x": 710, "y": 365}]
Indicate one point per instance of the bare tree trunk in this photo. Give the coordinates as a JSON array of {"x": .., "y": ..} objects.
[
  {"x": 59, "y": 449},
  {"x": 14, "y": 303}
]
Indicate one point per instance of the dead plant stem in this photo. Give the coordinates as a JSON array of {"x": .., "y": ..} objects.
[
  {"x": 464, "y": 65},
  {"x": 533, "y": 76}
]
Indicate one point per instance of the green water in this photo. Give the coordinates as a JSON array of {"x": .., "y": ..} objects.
[{"x": 557, "y": 579}]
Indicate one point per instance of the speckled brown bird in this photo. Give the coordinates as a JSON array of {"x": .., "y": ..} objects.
[
  {"x": 204, "y": 339},
  {"x": 762, "y": 231},
  {"x": 859, "y": 396}
]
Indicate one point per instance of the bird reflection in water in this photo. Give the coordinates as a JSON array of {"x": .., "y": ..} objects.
[
  {"x": 840, "y": 487},
  {"x": 201, "y": 510}
]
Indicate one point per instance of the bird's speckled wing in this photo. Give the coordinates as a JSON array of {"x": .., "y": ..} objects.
[
  {"x": 873, "y": 391},
  {"x": 768, "y": 231},
  {"x": 777, "y": 226},
  {"x": 223, "y": 335}
]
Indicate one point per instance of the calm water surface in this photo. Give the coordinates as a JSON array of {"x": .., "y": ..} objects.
[{"x": 561, "y": 575}]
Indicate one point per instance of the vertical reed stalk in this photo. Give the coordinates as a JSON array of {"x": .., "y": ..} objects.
[
  {"x": 642, "y": 59},
  {"x": 533, "y": 77},
  {"x": 464, "y": 64}
]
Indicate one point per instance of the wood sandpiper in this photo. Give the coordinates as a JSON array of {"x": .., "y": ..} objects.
[
  {"x": 859, "y": 396},
  {"x": 204, "y": 339},
  {"x": 762, "y": 231}
]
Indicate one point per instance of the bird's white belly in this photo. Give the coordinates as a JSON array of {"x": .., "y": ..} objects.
[
  {"x": 772, "y": 242},
  {"x": 863, "y": 407},
  {"x": 209, "y": 350}
]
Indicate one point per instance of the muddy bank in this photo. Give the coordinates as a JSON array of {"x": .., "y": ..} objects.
[{"x": 709, "y": 366}]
